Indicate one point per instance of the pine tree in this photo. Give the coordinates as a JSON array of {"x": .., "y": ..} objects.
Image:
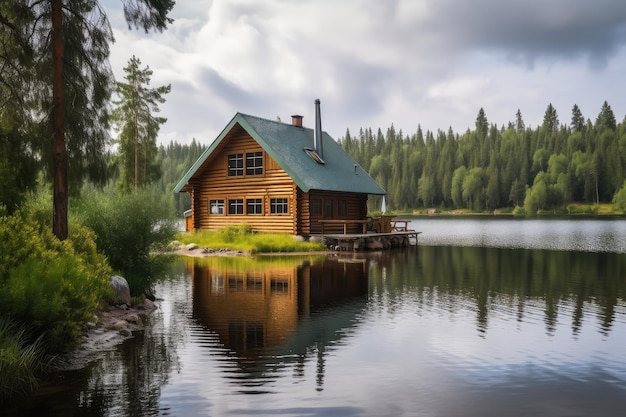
[
  {"x": 550, "y": 120},
  {"x": 482, "y": 126},
  {"x": 69, "y": 42},
  {"x": 138, "y": 127},
  {"x": 578, "y": 121},
  {"x": 519, "y": 122},
  {"x": 606, "y": 118}
]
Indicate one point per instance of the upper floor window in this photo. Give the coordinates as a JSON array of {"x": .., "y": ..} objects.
[
  {"x": 254, "y": 163},
  {"x": 235, "y": 165}
]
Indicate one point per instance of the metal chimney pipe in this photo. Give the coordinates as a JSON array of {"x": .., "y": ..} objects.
[{"x": 318, "y": 130}]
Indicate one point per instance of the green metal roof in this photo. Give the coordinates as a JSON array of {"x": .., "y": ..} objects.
[{"x": 285, "y": 143}]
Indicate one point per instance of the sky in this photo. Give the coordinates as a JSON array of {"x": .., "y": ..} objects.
[{"x": 378, "y": 63}]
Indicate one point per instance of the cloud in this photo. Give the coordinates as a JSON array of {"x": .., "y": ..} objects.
[
  {"x": 374, "y": 63},
  {"x": 535, "y": 29}
]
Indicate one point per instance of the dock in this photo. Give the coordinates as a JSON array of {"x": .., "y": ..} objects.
[{"x": 371, "y": 240}]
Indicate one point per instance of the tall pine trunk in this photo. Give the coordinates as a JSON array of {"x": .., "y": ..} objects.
[
  {"x": 60, "y": 198},
  {"x": 136, "y": 158}
]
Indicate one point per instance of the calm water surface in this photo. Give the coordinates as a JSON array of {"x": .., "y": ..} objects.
[
  {"x": 485, "y": 318},
  {"x": 594, "y": 235}
]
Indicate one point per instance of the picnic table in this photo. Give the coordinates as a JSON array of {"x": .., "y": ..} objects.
[{"x": 400, "y": 225}]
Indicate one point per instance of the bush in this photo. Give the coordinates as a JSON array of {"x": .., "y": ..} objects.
[
  {"x": 519, "y": 211},
  {"x": 582, "y": 208},
  {"x": 127, "y": 227},
  {"x": 55, "y": 287},
  {"x": 619, "y": 199}
]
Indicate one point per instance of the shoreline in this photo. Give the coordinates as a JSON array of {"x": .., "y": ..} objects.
[
  {"x": 111, "y": 327},
  {"x": 117, "y": 323}
]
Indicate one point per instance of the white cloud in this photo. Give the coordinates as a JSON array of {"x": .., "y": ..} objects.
[{"x": 374, "y": 63}]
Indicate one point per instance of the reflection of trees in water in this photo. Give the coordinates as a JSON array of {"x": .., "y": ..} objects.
[
  {"x": 576, "y": 283},
  {"x": 128, "y": 381}
]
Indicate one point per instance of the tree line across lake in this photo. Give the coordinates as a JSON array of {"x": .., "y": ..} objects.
[
  {"x": 512, "y": 167},
  {"x": 485, "y": 169}
]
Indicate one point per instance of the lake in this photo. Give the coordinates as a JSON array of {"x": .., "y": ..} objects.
[{"x": 487, "y": 317}]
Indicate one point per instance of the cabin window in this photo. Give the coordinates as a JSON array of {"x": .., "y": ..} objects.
[
  {"x": 216, "y": 206},
  {"x": 328, "y": 209},
  {"x": 254, "y": 163},
  {"x": 235, "y": 283},
  {"x": 279, "y": 206},
  {"x": 254, "y": 206},
  {"x": 235, "y": 165},
  {"x": 254, "y": 284},
  {"x": 342, "y": 208},
  {"x": 235, "y": 206},
  {"x": 255, "y": 335},
  {"x": 316, "y": 207},
  {"x": 279, "y": 286}
]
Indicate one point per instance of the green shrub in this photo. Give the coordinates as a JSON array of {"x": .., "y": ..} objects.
[
  {"x": 127, "y": 227},
  {"x": 582, "y": 209},
  {"x": 56, "y": 298},
  {"x": 53, "y": 286},
  {"x": 619, "y": 199},
  {"x": 519, "y": 211}
]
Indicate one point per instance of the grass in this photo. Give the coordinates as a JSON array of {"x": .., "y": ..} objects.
[
  {"x": 258, "y": 263},
  {"x": 244, "y": 239},
  {"x": 573, "y": 209},
  {"x": 20, "y": 361}
]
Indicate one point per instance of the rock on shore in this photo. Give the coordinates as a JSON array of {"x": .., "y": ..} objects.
[{"x": 109, "y": 328}]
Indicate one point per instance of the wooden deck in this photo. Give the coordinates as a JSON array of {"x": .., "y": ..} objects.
[{"x": 371, "y": 240}]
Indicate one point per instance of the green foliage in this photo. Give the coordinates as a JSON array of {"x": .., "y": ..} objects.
[
  {"x": 619, "y": 200},
  {"x": 519, "y": 211},
  {"x": 53, "y": 286},
  {"x": 606, "y": 118},
  {"x": 20, "y": 360},
  {"x": 582, "y": 209},
  {"x": 32, "y": 36},
  {"x": 243, "y": 238},
  {"x": 127, "y": 228},
  {"x": 138, "y": 128},
  {"x": 57, "y": 298},
  {"x": 490, "y": 168},
  {"x": 18, "y": 165},
  {"x": 536, "y": 197},
  {"x": 175, "y": 159}
]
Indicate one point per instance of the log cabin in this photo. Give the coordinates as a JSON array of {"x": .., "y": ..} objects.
[{"x": 277, "y": 177}]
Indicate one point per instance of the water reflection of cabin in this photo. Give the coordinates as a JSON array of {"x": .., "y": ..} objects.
[
  {"x": 264, "y": 307},
  {"x": 277, "y": 177}
]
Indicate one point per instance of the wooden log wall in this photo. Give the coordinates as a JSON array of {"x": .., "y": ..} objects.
[
  {"x": 213, "y": 183},
  {"x": 356, "y": 209}
]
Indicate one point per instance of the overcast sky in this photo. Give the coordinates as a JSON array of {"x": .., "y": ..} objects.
[{"x": 374, "y": 63}]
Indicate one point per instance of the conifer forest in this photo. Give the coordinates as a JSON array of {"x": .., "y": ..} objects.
[{"x": 546, "y": 168}]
